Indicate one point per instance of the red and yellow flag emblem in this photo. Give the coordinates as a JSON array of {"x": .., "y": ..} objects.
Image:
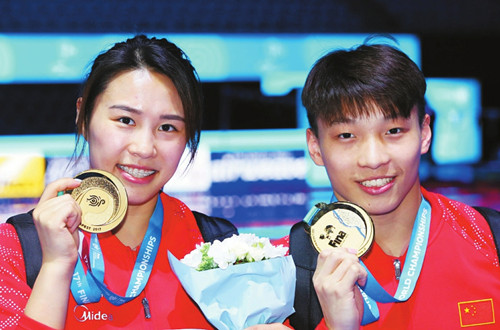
[{"x": 476, "y": 312}]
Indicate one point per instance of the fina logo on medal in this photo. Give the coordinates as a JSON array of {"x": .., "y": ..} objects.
[
  {"x": 341, "y": 224},
  {"x": 333, "y": 240}
]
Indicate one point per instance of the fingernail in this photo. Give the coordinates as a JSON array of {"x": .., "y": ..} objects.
[{"x": 351, "y": 250}]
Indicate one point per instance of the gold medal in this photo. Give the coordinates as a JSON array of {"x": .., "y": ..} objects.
[
  {"x": 341, "y": 224},
  {"x": 103, "y": 200}
]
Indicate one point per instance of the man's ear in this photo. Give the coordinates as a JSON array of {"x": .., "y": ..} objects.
[
  {"x": 426, "y": 135},
  {"x": 313, "y": 146},
  {"x": 78, "y": 108}
]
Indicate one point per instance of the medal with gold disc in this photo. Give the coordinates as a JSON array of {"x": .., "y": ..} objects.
[
  {"x": 103, "y": 200},
  {"x": 340, "y": 224}
]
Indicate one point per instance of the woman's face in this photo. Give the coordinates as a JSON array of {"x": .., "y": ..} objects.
[{"x": 137, "y": 132}]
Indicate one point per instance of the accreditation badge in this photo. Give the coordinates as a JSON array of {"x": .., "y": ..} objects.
[
  {"x": 103, "y": 200},
  {"x": 341, "y": 224}
]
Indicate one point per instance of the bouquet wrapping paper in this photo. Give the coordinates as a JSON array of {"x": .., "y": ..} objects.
[{"x": 243, "y": 294}]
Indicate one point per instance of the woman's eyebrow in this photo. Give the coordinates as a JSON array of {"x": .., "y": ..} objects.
[
  {"x": 137, "y": 111},
  {"x": 125, "y": 108},
  {"x": 172, "y": 117}
]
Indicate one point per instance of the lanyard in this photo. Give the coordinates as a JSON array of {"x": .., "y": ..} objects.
[
  {"x": 372, "y": 291},
  {"x": 88, "y": 287}
]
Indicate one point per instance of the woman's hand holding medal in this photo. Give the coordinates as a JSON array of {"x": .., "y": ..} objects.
[
  {"x": 57, "y": 219},
  {"x": 94, "y": 201}
]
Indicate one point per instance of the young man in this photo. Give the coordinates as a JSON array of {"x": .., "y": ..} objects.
[{"x": 369, "y": 128}]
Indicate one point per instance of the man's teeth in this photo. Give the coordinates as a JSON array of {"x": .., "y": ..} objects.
[
  {"x": 376, "y": 182},
  {"x": 135, "y": 172}
]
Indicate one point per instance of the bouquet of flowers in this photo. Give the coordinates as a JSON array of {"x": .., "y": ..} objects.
[{"x": 242, "y": 281}]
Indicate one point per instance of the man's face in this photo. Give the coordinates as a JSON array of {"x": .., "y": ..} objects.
[{"x": 372, "y": 161}]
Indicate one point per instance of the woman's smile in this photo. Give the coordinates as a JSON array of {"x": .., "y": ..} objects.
[{"x": 136, "y": 172}]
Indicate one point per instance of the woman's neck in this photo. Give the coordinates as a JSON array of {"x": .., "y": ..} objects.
[{"x": 132, "y": 230}]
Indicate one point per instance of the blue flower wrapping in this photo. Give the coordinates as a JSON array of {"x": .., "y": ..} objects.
[{"x": 241, "y": 295}]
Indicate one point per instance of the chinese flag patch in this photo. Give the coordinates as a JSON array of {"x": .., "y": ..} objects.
[{"x": 476, "y": 312}]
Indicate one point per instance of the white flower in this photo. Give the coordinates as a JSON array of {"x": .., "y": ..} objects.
[
  {"x": 272, "y": 251},
  {"x": 235, "y": 249},
  {"x": 221, "y": 254},
  {"x": 193, "y": 259}
]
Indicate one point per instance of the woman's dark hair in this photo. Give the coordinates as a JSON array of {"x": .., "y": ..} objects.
[
  {"x": 158, "y": 55},
  {"x": 352, "y": 83}
]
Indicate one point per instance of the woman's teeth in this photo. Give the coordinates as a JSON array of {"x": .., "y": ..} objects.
[
  {"x": 376, "y": 182},
  {"x": 135, "y": 172}
]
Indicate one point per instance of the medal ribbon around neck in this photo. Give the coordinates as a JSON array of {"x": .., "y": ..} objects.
[
  {"x": 89, "y": 287},
  {"x": 372, "y": 291}
]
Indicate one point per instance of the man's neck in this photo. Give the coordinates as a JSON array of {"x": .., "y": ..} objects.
[
  {"x": 393, "y": 231},
  {"x": 393, "y": 239}
]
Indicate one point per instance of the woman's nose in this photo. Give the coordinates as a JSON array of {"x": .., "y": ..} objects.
[{"x": 143, "y": 144}]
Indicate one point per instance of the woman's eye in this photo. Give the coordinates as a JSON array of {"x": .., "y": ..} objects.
[
  {"x": 126, "y": 120},
  {"x": 167, "y": 128}
]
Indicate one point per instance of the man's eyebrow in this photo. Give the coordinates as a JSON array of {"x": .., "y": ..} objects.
[
  {"x": 343, "y": 120},
  {"x": 137, "y": 111}
]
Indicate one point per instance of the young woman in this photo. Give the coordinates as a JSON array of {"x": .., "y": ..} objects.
[{"x": 140, "y": 107}]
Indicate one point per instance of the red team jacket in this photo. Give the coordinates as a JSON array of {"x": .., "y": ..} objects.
[
  {"x": 169, "y": 304},
  {"x": 459, "y": 284}
]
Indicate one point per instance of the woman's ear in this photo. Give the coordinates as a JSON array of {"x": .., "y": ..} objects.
[
  {"x": 80, "y": 127},
  {"x": 313, "y": 146}
]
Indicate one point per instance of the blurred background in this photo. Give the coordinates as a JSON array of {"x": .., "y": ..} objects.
[{"x": 252, "y": 58}]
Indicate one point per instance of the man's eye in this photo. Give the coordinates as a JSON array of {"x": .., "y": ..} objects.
[
  {"x": 345, "y": 135},
  {"x": 394, "y": 130}
]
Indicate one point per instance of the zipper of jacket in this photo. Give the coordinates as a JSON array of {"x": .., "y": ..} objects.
[
  {"x": 147, "y": 309},
  {"x": 397, "y": 268}
]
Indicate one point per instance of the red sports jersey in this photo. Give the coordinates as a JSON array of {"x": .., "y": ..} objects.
[
  {"x": 169, "y": 304},
  {"x": 459, "y": 284}
]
